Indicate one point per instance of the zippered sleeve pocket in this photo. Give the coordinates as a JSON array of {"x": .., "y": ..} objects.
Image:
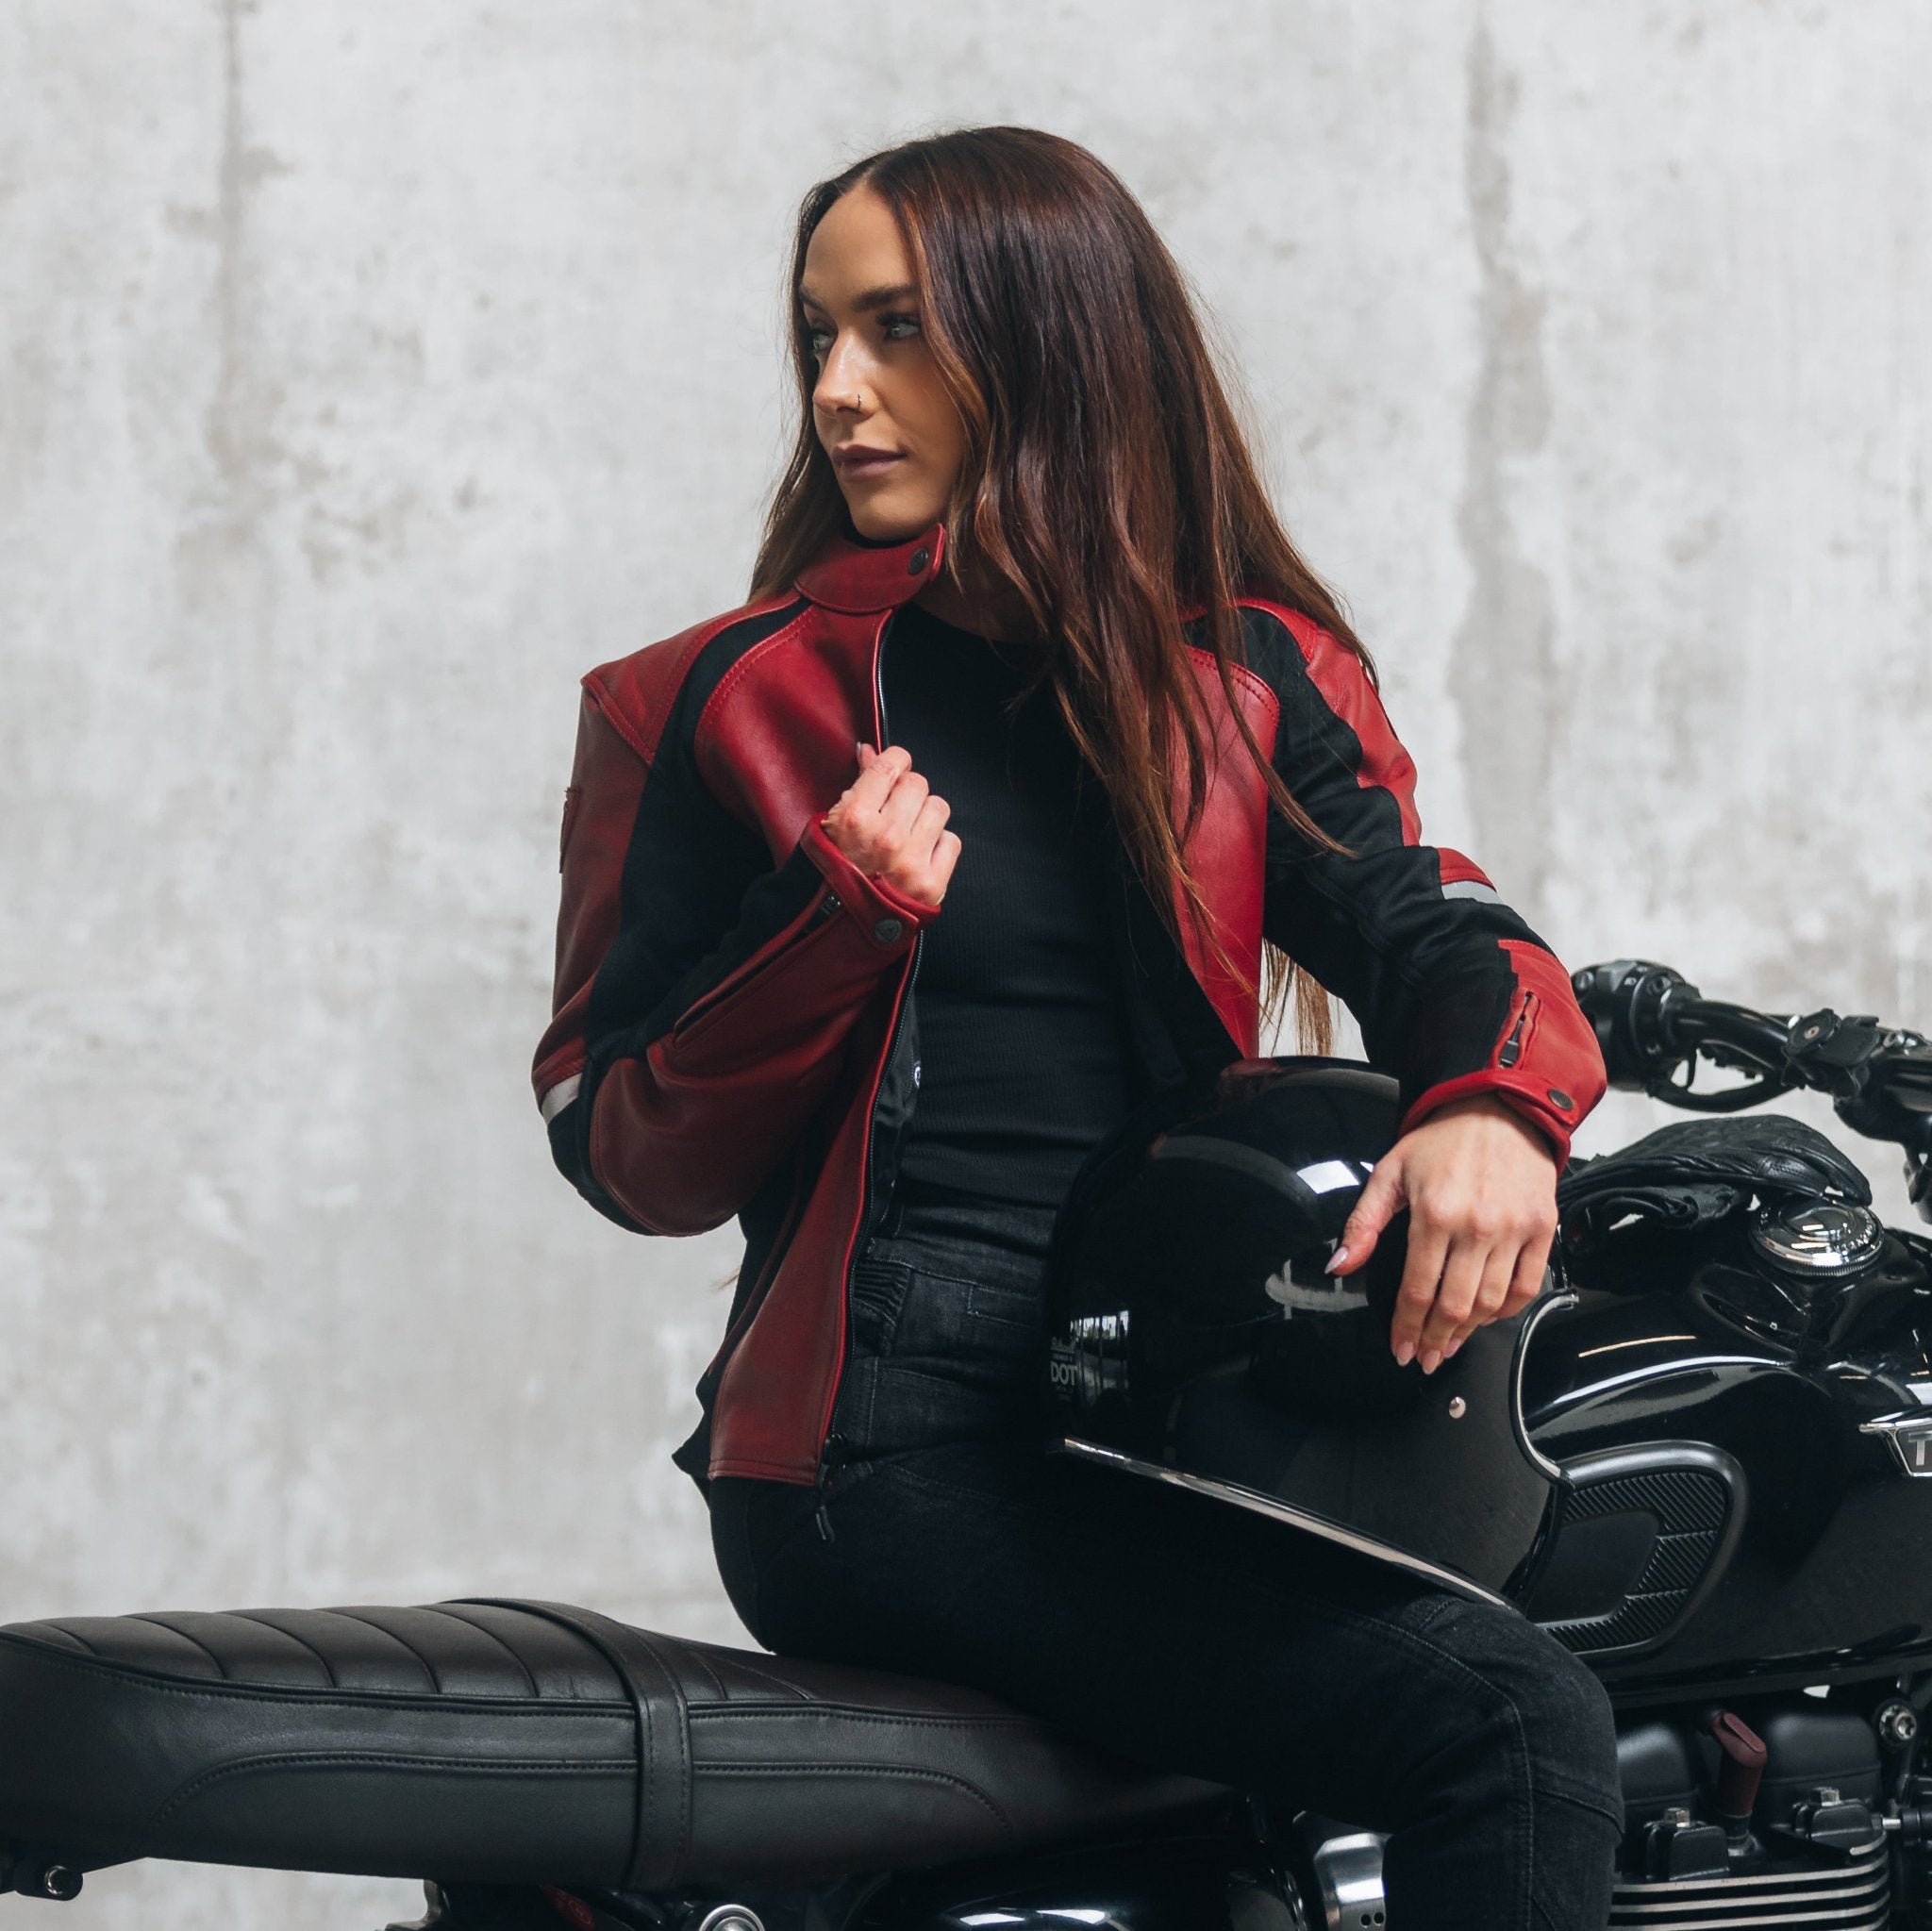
[
  {"x": 741, "y": 984},
  {"x": 1521, "y": 1030}
]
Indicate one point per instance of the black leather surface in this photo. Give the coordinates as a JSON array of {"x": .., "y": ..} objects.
[
  {"x": 1694, "y": 1171},
  {"x": 501, "y": 1740}
]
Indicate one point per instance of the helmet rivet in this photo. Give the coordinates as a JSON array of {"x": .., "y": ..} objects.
[{"x": 1458, "y": 1408}]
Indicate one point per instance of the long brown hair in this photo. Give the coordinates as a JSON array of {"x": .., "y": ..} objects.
[{"x": 1106, "y": 476}]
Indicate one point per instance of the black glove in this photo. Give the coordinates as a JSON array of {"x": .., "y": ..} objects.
[{"x": 1696, "y": 1171}]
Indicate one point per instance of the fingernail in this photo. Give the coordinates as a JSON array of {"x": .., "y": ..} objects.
[
  {"x": 1452, "y": 1347},
  {"x": 1404, "y": 1352},
  {"x": 1432, "y": 1360},
  {"x": 1337, "y": 1260}
]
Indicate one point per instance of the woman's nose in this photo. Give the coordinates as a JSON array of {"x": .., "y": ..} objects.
[{"x": 841, "y": 377}]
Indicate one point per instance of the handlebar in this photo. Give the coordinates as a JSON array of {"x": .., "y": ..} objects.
[{"x": 1653, "y": 1023}]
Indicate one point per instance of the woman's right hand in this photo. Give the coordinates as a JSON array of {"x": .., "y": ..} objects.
[{"x": 890, "y": 824}]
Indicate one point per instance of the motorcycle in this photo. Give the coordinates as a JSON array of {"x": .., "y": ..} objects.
[{"x": 1734, "y": 1400}]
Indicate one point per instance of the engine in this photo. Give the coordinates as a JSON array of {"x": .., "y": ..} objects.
[
  {"x": 1776, "y": 1817},
  {"x": 1796, "y": 1813}
]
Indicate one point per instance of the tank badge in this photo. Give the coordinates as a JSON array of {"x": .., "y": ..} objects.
[{"x": 1910, "y": 1436}]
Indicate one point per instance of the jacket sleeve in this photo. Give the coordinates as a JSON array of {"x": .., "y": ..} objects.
[
  {"x": 704, "y": 998},
  {"x": 1454, "y": 992}
]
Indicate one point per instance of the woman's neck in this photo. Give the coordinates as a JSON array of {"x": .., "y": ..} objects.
[{"x": 996, "y": 615}]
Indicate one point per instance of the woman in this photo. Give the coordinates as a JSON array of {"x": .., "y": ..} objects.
[{"x": 1123, "y": 738}]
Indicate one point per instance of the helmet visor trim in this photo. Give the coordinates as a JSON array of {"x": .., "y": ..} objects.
[{"x": 1274, "y": 1507}]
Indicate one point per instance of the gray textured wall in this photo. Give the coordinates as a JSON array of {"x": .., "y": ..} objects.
[{"x": 370, "y": 370}]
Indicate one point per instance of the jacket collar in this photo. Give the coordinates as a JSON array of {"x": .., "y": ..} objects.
[{"x": 855, "y": 577}]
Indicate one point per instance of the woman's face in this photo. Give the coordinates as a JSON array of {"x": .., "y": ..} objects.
[{"x": 893, "y": 433}]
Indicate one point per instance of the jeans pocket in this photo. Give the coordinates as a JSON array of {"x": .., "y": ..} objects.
[
  {"x": 879, "y": 1288},
  {"x": 1005, "y": 1305},
  {"x": 971, "y": 1321},
  {"x": 948, "y": 1340}
]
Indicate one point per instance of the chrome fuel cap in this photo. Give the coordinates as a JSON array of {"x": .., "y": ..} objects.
[{"x": 1817, "y": 1237}]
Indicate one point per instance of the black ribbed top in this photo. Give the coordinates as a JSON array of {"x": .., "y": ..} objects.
[{"x": 1023, "y": 1058}]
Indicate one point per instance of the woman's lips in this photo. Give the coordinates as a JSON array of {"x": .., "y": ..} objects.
[{"x": 869, "y": 462}]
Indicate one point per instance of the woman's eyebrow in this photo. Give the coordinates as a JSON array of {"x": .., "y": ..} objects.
[{"x": 871, "y": 298}]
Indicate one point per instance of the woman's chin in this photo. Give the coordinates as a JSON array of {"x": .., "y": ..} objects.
[{"x": 884, "y": 521}]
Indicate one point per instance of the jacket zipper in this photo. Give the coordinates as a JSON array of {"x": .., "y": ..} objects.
[
  {"x": 879, "y": 692},
  {"x": 830, "y": 1446},
  {"x": 830, "y": 1451},
  {"x": 1512, "y": 1047}
]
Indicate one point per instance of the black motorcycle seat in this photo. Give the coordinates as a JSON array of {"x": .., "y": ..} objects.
[{"x": 515, "y": 1741}]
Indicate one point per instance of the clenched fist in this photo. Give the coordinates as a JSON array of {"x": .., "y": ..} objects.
[{"x": 891, "y": 826}]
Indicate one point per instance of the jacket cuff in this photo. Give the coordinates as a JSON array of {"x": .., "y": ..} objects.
[
  {"x": 1529, "y": 1102},
  {"x": 888, "y": 918}
]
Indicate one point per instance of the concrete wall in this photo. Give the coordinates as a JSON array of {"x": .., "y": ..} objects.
[{"x": 370, "y": 370}]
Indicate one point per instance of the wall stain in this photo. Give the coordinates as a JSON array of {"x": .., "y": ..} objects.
[
  {"x": 238, "y": 422},
  {"x": 1502, "y": 672}
]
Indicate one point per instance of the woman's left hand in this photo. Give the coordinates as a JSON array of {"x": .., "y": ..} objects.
[{"x": 1481, "y": 1185}]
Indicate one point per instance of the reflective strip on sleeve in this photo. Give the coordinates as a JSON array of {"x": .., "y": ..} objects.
[{"x": 560, "y": 1096}]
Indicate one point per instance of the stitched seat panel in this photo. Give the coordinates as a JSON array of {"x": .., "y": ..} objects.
[
  {"x": 444, "y": 1648},
  {"x": 500, "y": 1741}
]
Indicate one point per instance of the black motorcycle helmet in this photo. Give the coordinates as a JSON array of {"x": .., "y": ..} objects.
[{"x": 1195, "y": 1338}]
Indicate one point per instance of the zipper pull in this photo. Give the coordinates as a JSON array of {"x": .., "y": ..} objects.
[
  {"x": 831, "y": 1453},
  {"x": 1512, "y": 1046}
]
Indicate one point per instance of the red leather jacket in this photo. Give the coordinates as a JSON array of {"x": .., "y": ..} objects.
[{"x": 733, "y": 1032}]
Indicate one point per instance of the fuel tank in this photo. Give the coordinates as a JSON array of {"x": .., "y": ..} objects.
[{"x": 1744, "y": 1417}]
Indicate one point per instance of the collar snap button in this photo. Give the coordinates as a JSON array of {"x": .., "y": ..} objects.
[
  {"x": 921, "y": 557},
  {"x": 887, "y": 930}
]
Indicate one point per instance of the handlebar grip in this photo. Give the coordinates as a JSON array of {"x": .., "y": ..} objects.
[{"x": 1629, "y": 1002}]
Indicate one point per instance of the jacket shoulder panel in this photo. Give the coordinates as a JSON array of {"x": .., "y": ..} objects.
[
  {"x": 1305, "y": 661},
  {"x": 1273, "y": 629},
  {"x": 1257, "y": 688},
  {"x": 637, "y": 693}
]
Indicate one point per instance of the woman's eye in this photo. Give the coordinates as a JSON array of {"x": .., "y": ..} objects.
[
  {"x": 817, "y": 338},
  {"x": 893, "y": 323}
]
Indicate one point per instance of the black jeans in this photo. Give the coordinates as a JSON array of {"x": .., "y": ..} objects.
[{"x": 1165, "y": 1626}]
